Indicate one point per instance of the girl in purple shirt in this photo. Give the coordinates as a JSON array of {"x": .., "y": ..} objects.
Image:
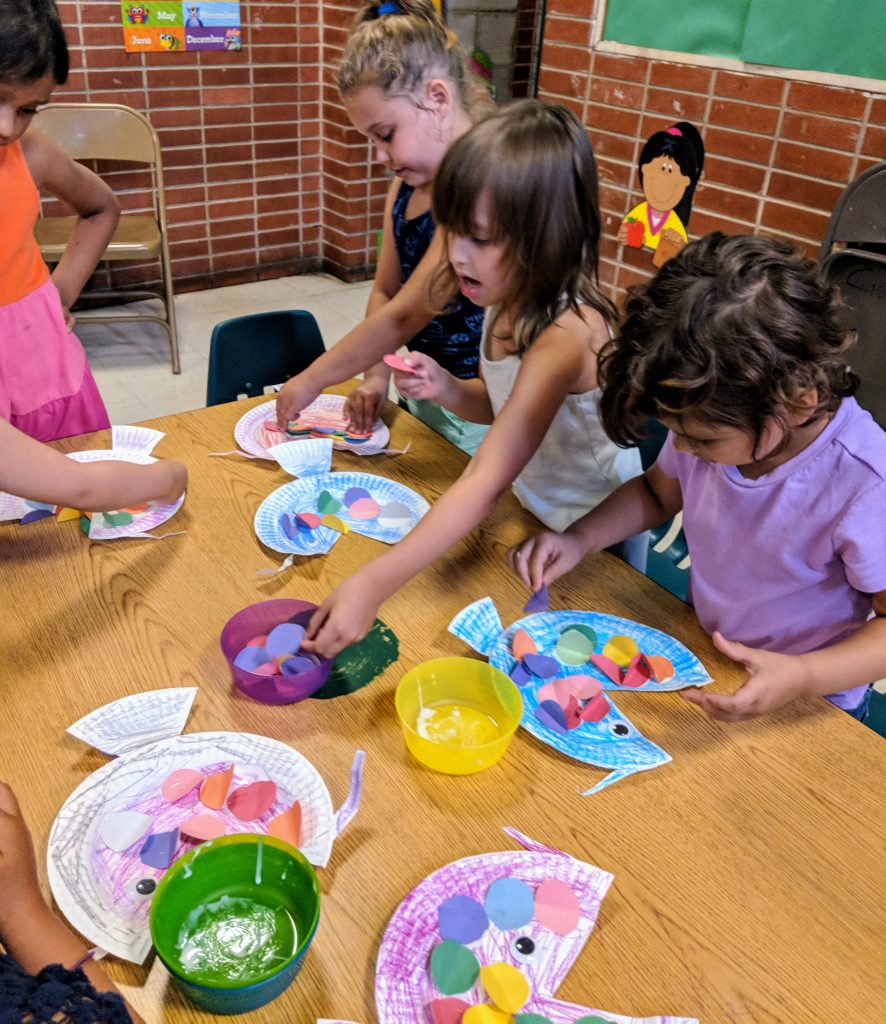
[{"x": 736, "y": 346}]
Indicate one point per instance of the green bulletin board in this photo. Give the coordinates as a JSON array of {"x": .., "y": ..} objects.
[{"x": 844, "y": 37}]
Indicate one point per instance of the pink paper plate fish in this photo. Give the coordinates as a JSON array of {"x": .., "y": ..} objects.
[{"x": 499, "y": 930}]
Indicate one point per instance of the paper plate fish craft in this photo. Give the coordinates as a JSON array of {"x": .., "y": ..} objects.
[
  {"x": 123, "y": 826},
  {"x": 128, "y": 444},
  {"x": 308, "y": 515},
  {"x": 489, "y": 940},
  {"x": 257, "y": 431},
  {"x": 670, "y": 165},
  {"x": 564, "y": 661}
]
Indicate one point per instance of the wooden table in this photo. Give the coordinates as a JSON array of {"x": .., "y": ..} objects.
[{"x": 748, "y": 871}]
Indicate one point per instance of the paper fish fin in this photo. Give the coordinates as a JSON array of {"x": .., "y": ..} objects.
[
  {"x": 621, "y": 773},
  {"x": 530, "y": 844},
  {"x": 478, "y": 625},
  {"x": 352, "y": 802},
  {"x": 557, "y": 1009},
  {"x": 136, "y": 439}
]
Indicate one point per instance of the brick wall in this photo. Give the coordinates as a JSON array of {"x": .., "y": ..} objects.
[
  {"x": 240, "y": 135},
  {"x": 266, "y": 177},
  {"x": 778, "y": 151}
]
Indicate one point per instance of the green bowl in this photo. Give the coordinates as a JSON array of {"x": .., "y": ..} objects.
[{"x": 233, "y": 919}]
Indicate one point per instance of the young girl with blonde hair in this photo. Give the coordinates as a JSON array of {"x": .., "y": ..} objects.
[{"x": 404, "y": 84}]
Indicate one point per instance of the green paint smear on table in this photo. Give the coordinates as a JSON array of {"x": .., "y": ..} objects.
[{"x": 358, "y": 665}]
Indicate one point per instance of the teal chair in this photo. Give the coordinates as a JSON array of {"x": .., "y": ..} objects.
[
  {"x": 667, "y": 561},
  {"x": 249, "y": 353}
]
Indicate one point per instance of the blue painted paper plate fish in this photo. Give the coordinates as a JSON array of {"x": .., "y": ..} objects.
[{"x": 611, "y": 741}]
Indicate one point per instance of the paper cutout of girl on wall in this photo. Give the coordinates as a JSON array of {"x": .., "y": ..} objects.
[{"x": 670, "y": 165}]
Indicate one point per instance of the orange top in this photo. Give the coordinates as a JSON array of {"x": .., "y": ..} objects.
[{"x": 22, "y": 269}]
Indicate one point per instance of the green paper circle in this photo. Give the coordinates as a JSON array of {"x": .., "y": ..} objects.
[
  {"x": 576, "y": 644},
  {"x": 454, "y": 968}
]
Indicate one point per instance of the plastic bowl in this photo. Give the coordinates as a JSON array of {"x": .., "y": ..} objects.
[
  {"x": 458, "y": 715},
  {"x": 256, "y": 889},
  {"x": 256, "y": 620}
]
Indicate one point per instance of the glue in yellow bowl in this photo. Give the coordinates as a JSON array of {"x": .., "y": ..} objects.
[{"x": 458, "y": 715}]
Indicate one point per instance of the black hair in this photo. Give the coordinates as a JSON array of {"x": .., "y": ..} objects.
[
  {"x": 682, "y": 143},
  {"x": 734, "y": 330},
  {"x": 32, "y": 41}
]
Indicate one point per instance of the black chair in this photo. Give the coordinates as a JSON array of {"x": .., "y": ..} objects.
[
  {"x": 249, "y": 353},
  {"x": 853, "y": 256}
]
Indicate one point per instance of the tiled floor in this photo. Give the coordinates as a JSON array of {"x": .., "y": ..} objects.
[{"x": 131, "y": 361}]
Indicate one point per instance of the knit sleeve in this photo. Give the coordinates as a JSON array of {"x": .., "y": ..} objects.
[{"x": 56, "y": 996}]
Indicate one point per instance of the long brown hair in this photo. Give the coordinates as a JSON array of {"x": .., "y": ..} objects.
[
  {"x": 535, "y": 164},
  {"x": 733, "y": 330}
]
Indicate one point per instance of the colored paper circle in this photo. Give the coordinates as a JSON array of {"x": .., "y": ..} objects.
[
  {"x": 576, "y": 644},
  {"x": 505, "y": 986},
  {"x": 461, "y": 919},
  {"x": 509, "y": 903},
  {"x": 556, "y": 906},
  {"x": 454, "y": 968},
  {"x": 621, "y": 649}
]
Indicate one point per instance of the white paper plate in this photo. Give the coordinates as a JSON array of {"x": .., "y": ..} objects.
[
  {"x": 95, "y": 887},
  {"x": 250, "y": 429}
]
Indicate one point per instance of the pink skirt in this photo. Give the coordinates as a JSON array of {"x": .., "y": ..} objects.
[{"x": 46, "y": 387}]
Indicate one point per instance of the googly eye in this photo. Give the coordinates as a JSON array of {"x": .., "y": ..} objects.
[
  {"x": 620, "y": 729},
  {"x": 523, "y": 949},
  {"x": 143, "y": 888}
]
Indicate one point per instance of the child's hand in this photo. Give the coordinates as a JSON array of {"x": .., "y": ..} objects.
[
  {"x": 345, "y": 617},
  {"x": 296, "y": 394},
  {"x": 545, "y": 557},
  {"x": 774, "y": 679},
  {"x": 19, "y": 888},
  {"x": 622, "y": 236},
  {"x": 365, "y": 403},
  {"x": 429, "y": 381}
]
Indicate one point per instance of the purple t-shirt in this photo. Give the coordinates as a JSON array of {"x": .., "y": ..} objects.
[{"x": 788, "y": 562}]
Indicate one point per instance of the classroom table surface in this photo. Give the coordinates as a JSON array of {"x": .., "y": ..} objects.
[{"x": 748, "y": 870}]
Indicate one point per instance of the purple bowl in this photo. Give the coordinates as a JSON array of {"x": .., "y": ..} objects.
[{"x": 256, "y": 620}]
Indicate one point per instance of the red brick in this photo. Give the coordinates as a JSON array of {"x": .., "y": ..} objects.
[
  {"x": 874, "y": 143},
  {"x": 615, "y": 147},
  {"x": 765, "y": 89},
  {"x": 703, "y": 223},
  {"x": 794, "y": 221},
  {"x": 614, "y": 93},
  {"x": 566, "y": 58},
  {"x": 822, "y": 99},
  {"x": 560, "y": 83},
  {"x": 820, "y": 131},
  {"x": 820, "y": 163},
  {"x": 610, "y": 65},
  {"x": 574, "y": 31},
  {"x": 734, "y": 174},
  {"x": 740, "y": 145},
  {"x": 685, "y": 77},
  {"x": 812, "y": 192},
  {"x": 678, "y": 106},
  {"x": 745, "y": 116},
  {"x": 726, "y": 202},
  {"x": 611, "y": 119}
]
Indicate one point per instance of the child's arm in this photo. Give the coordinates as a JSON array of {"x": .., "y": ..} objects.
[
  {"x": 365, "y": 403},
  {"x": 30, "y": 932},
  {"x": 55, "y": 172},
  {"x": 774, "y": 679},
  {"x": 468, "y": 399},
  {"x": 549, "y": 371},
  {"x": 384, "y": 331},
  {"x": 638, "y": 504},
  {"x": 30, "y": 469}
]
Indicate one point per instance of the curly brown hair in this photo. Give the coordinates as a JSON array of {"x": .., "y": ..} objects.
[{"x": 734, "y": 330}]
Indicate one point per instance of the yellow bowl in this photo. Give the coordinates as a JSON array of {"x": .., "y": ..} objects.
[{"x": 458, "y": 715}]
